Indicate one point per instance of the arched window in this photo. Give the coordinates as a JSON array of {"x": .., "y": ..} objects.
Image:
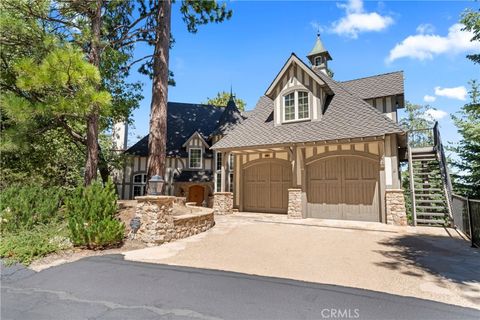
[{"x": 296, "y": 106}]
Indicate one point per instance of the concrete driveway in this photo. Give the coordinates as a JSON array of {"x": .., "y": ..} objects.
[{"x": 429, "y": 263}]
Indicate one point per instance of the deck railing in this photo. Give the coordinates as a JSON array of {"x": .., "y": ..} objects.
[{"x": 447, "y": 182}]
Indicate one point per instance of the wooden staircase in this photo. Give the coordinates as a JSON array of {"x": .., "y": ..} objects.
[{"x": 430, "y": 183}]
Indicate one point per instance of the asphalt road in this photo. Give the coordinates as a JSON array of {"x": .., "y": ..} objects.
[{"x": 110, "y": 288}]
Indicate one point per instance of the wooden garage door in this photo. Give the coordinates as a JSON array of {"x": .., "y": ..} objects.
[
  {"x": 343, "y": 187},
  {"x": 265, "y": 186}
]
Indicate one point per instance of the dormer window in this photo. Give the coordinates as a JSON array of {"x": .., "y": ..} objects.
[
  {"x": 195, "y": 158},
  {"x": 295, "y": 106}
]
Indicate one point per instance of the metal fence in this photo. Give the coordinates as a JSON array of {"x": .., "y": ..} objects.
[{"x": 466, "y": 217}]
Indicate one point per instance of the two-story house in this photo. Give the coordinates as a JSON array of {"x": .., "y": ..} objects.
[{"x": 316, "y": 147}]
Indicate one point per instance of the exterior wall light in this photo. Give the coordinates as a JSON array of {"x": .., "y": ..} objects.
[{"x": 155, "y": 185}]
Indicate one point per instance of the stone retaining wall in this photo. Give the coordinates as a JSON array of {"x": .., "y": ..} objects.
[
  {"x": 189, "y": 225},
  {"x": 158, "y": 224},
  {"x": 395, "y": 205}
]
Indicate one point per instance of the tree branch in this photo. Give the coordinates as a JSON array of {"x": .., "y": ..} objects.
[{"x": 73, "y": 134}]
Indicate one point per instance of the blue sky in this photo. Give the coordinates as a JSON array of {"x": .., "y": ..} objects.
[{"x": 364, "y": 38}]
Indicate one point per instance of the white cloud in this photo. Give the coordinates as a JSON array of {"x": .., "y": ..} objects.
[
  {"x": 424, "y": 46},
  {"x": 428, "y": 98},
  {"x": 357, "y": 20},
  {"x": 459, "y": 93},
  {"x": 435, "y": 114},
  {"x": 425, "y": 28}
]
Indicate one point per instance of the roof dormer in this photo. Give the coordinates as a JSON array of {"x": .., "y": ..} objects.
[{"x": 299, "y": 94}]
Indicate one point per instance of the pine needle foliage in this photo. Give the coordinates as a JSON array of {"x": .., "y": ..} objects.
[
  {"x": 25, "y": 207},
  {"x": 91, "y": 216},
  {"x": 466, "y": 179}
]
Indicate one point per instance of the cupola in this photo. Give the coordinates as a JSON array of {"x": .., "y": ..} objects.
[{"x": 319, "y": 56}]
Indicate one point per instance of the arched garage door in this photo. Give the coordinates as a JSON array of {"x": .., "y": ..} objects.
[
  {"x": 344, "y": 187},
  {"x": 265, "y": 185}
]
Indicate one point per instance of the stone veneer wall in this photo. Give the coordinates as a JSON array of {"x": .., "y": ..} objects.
[
  {"x": 158, "y": 224},
  {"x": 156, "y": 219},
  {"x": 189, "y": 225},
  {"x": 295, "y": 203},
  {"x": 223, "y": 203},
  {"x": 396, "y": 210}
]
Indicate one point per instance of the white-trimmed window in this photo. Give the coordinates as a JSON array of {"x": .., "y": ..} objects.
[
  {"x": 318, "y": 61},
  {"x": 231, "y": 166},
  {"x": 195, "y": 158},
  {"x": 296, "y": 106},
  {"x": 289, "y": 107},
  {"x": 139, "y": 184},
  {"x": 218, "y": 171}
]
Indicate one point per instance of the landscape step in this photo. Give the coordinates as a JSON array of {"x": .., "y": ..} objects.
[
  {"x": 430, "y": 221},
  {"x": 428, "y": 189},
  {"x": 422, "y": 159},
  {"x": 423, "y": 173},
  {"x": 430, "y": 201},
  {"x": 429, "y": 194},
  {"x": 432, "y": 214},
  {"x": 430, "y": 208}
]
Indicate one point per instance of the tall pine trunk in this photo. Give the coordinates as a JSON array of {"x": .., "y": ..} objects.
[
  {"x": 158, "y": 109},
  {"x": 91, "y": 164}
]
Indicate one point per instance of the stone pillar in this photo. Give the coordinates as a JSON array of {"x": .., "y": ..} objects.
[
  {"x": 396, "y": 211},
  {"x": 156, "y": 219},
  {"x": 295, "y": 204},
  {"x": 223, "y": 203}
]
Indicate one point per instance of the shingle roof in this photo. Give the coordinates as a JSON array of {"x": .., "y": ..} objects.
[
  {"x": 194, "y": 176},
  {"x": 381, "y": 85},
  {"x": 347, "y": 116},
  {"x": 183, "y": 119}
]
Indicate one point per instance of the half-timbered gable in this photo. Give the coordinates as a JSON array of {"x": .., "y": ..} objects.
[{"x": 298, "y": 93}]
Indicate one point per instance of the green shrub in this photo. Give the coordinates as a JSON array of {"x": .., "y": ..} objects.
[
  {"x": 91, "y": 216},
  {"x": 26, "y": 245},
  {"x": 23, "y": 207}
]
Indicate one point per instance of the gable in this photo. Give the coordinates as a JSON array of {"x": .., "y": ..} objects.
[
  {"x": 196, "y": 140},
  {"x": 296, "y": 77},
  {"x": 295, "y": 70}
]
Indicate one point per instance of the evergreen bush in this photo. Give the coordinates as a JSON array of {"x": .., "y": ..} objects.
[
  {"x": 26, "y": 245},
  {"x": 91, "y": 216},
  {"x": 23, "y": 207}
]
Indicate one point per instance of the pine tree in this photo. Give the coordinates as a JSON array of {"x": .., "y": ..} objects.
[
  {"x": 467, "y": 178},
  {"x": 221, "y": 100}
]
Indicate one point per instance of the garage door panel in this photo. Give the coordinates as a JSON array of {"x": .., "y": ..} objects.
[
  {"x": 352, "y": 169},
  {"x": 369, "y": 170},
  {"x": 352, "y": 195},
  {"x": 327, "y": 192},
  {"x": 360, "y": 192},
  {"x": 266, "y": 186}
]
